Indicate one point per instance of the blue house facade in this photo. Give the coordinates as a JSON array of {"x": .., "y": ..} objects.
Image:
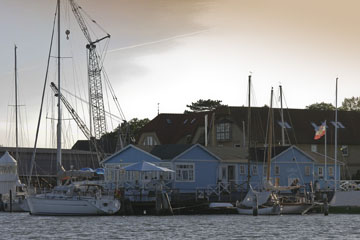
[
  {"x": 290, "y": 165},
  {"x": 196, "y": 168}
]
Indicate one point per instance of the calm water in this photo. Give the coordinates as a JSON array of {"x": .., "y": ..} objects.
[{"x": 24, "y": 226}]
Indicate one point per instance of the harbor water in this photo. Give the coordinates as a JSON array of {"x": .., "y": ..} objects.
[{"x": 25, "y": 226}]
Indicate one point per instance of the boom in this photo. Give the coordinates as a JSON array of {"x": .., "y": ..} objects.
[{"x": 79, "y": 122}]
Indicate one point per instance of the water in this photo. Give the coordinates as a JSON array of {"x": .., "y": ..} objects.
[{"x": 25, "y": 226}]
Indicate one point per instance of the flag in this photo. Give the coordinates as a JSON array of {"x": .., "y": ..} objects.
[{"x": 320, "y": 131}]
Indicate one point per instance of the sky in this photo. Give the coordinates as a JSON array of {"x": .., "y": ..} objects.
[{"x": 165, "y": 54}]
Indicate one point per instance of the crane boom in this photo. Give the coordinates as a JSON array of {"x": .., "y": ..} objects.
[
  {"x": 94, "y": 75},
  {"x": 81, "y": 124}
]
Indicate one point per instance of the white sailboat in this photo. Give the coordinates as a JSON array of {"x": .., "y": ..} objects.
[
  {"x": 77, "y": 198},
  {"x": 264, "y": 202},
  {"x": 346, "y": 199}
]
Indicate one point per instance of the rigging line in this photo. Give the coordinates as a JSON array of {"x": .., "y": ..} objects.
[
  {"x": 158, "y": 41},
  {"x": 107, "y": 81},
  {"x": 291, "y": 122},
  {"x": 87, "y": 102},
  {"x": 92, "y": 20},
  {"x": 108, "y": 103},
  {"x": 42, "y": 98}
]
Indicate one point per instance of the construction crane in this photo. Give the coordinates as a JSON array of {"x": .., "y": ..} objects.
[
  {"x": 94, "y": 74},
  {"x": 79, "y": 122}
]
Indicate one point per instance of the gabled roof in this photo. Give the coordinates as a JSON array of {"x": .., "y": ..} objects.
[
  {"x": 125, "y": 149},
  {"x": 229, "y": 154},
  {"x": 171, "y": 128},
  {"x": 195, "y": 146},
  {"x": 7, "y": 160},
  {"x": 299, "y": 125},
  {"x": 169, "y": 151}
]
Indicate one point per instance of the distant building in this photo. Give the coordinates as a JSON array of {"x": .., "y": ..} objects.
[
  {"x": 227, "y": 127},
  {"x": 44, "y": 170}
]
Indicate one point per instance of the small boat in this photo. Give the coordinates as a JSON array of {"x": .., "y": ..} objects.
[
  {"x": 74, "y": 199},
  {"x": 259, "y": 203}
]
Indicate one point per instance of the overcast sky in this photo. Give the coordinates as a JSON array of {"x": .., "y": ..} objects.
[{"x": 174, "y": 52}]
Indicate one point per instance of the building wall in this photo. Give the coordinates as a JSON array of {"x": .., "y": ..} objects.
[{"x": 205, "y": 169}]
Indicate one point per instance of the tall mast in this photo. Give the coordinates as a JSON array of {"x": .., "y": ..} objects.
[
  {"x": 336, "y": 127},
  {"x": 249, "y": 129},
  {"x": 16, "y": 110},
  {"x": 58, "y": 133},
  {"x": 270, "y": 138},
  {"x": 282, "y": 119}
]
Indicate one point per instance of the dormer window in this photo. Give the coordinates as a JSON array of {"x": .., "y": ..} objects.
[
  {"x": 223, "y": 131},
  {"x": 149, "y": 141}
]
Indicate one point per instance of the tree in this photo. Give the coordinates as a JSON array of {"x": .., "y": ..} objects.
[
  {"x": 321, "y": 106},
  {"x": 128, "y": 131},
  {"x": 204, "y": 105},
  {"x": 351, "y": 104}
]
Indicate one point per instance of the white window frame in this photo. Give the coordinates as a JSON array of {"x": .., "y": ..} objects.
[
  {"x": 223, "y": 131},
  {"x": 179, "y": 177},
  {"x": 331, "y": 171},
  {"x": 313, "y": 148},
  {"x": 254, "y": 170},
  {"x": 321, "y": 173},
  {"x": 149, "y": 141},
  {"x": 242, "y": 170},
  {"x": 307, "y": 170}
]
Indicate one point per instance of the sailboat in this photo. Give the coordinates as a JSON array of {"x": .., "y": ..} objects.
[
  {"x": 82, "y": 198},
  {"x": 293, "y": 203},
  {"x": 16, "y": 202},
  {"x": 346, "y": 199},
  {"x": 264, "y": 202}
]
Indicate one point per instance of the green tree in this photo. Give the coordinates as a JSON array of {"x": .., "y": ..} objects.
[
  {"x": 351, "y": 104},
  {"x": 321, "y": 106},
  {"x": 128, "y": 131},
  {"x": 204, "y": 105}
]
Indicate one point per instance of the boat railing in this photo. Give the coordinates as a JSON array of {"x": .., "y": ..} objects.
[{"x": 349, "y": 185}]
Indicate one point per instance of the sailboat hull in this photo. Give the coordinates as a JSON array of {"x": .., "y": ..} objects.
[
  {"x": 40, "y": 205},
  {"x": 273, "y": 210}
]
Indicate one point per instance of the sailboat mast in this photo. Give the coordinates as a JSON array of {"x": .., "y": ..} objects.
[
  {"x": 269, "y": 138},
  {"x": 16, "y": 110},
  {"x": 249, "y": 129},
  {"x": 282, "y": 119},
  {"x": 58, "y": 133},
  {"x": 336, "y": 127}
]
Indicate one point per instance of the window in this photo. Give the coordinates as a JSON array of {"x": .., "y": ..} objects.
[
  {"x": 149, "y": 141},
  {"x": 277, "y": 170},
  {"x": 321, "y": 171},
  {"x": 307, "y": 170},
  {"x": 254, "y": 170},
  {"x": 265, "y": 170},
  {"x": 313, "y": 147},
  {"x": 242, "y": 169},
  {"x": 331, "y": 171},
  {"x": 185, "y": 172},
  {"x": 344, "y": 150},
  {"x": 284, "y": 125},
  {"x": 223, "y": 131},
  {"x": 337, "y": 124}
]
